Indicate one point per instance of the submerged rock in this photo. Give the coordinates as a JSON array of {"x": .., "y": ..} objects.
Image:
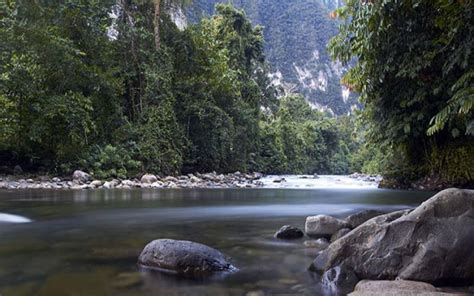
[
  {"x": 184, "y": 257},
  {"x": 289, "y": 232},
  {"x": 323, "y": 226},
  {"x": 432, "y": 243}
]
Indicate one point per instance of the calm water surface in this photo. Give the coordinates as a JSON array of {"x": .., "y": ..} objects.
[{"x": 87, "y": 242}]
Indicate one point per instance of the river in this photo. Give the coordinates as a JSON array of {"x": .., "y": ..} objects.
[{"x": 87, "y": 242}]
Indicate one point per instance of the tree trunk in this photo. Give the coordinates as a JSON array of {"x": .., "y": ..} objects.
[{"x": 157, "y": 24}]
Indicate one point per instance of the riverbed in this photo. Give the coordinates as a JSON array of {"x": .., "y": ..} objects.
[{"x": 86, "y": 242}]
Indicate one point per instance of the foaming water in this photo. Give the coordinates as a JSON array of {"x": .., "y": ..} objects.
[
  {"x": 8, "y": 218},
  {"x": 320, "y": 182}
]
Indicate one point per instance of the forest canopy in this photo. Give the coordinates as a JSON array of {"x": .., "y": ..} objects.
[{"x": 85, "y": 84}]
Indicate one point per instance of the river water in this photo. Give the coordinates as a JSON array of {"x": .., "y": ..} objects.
[{"x": 87, "y": 242}]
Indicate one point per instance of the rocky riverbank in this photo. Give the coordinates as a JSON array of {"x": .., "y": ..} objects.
[
  {"x": 430, "y": 244},
  {"x": 81, "y": 181}
]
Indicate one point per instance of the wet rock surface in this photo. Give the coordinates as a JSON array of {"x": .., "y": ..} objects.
[
  {"x": 184, "y": 257},
  {"x": 359, "y": 218},
  {"x": 432, "y": 243},
  {"x": 289, "y": 232},
  {"x": 340, "y": 233},
  {"x": 323, "y": 226}
]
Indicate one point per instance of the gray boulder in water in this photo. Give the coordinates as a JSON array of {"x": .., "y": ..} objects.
[
  {"x": 289, "y": 232},
  {"x": 323, "y": 226},
  {"x": 184, "y": 257},
  {"x": 433, "y": 243}
]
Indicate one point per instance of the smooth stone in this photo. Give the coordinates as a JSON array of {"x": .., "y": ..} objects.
[
  {"x": 184, "y": 257},
  {"x": 96, "y": 183},
  {"x": 289, "y": 232},
  {"x": 148, "y": 179},
  {"x": 396, "y": 288},
  {"x": 170, "y": 179},
  {"x": 195, "y": 179},
  {"x": 81, "y": 177},
  {"x": 323, "y": 226}
]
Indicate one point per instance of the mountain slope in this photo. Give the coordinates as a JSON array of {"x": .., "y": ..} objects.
[{"x": 296, "y": 34}]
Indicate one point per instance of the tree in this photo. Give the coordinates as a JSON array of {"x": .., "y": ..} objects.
[{"x": 413, "y": 71}]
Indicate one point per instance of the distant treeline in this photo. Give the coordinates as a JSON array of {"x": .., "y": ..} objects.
[{"x": 113, "y": 87}]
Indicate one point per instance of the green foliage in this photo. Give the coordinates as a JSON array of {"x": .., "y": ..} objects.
[
  {"x": 113, "y": 162},
  {"x": 75, "y": 96},
  {"x": 297, "y": 139},
  {"x": 414, "y": 74},
  {"x": 453, "y": 164}
]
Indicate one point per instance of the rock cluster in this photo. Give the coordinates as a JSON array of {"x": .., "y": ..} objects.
[
  {"x": 83, "y": 180},
  {"x": 432, "y": 243},
  {"x": 367, "y": 178}
]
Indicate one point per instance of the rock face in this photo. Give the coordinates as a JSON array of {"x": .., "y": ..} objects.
[
  {"x": 323, "y": 226},
  {"x": 359, "y": 218},
  {"x": 340, "y": 233},
  {"x": 289, "y": 232},
  {"x": 81, "y": 177},
  {"x": 394, "y": 288},
  {"x": 184, "y": 257},
  {"x": 148, "y": 179},
  {"x": 433, "y": 243}
]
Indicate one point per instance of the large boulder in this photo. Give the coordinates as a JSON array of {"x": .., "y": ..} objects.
[
  {"x": 433, "y": 243},
  {"x": 323, "y": 226},
  {"x": 361, "y": 217},
  {"x": 289, "y": 232},
  {"x": 340, "y": 233},
  {"x": 184, "y": 257},
  {"x": 81, "y": 177}
]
